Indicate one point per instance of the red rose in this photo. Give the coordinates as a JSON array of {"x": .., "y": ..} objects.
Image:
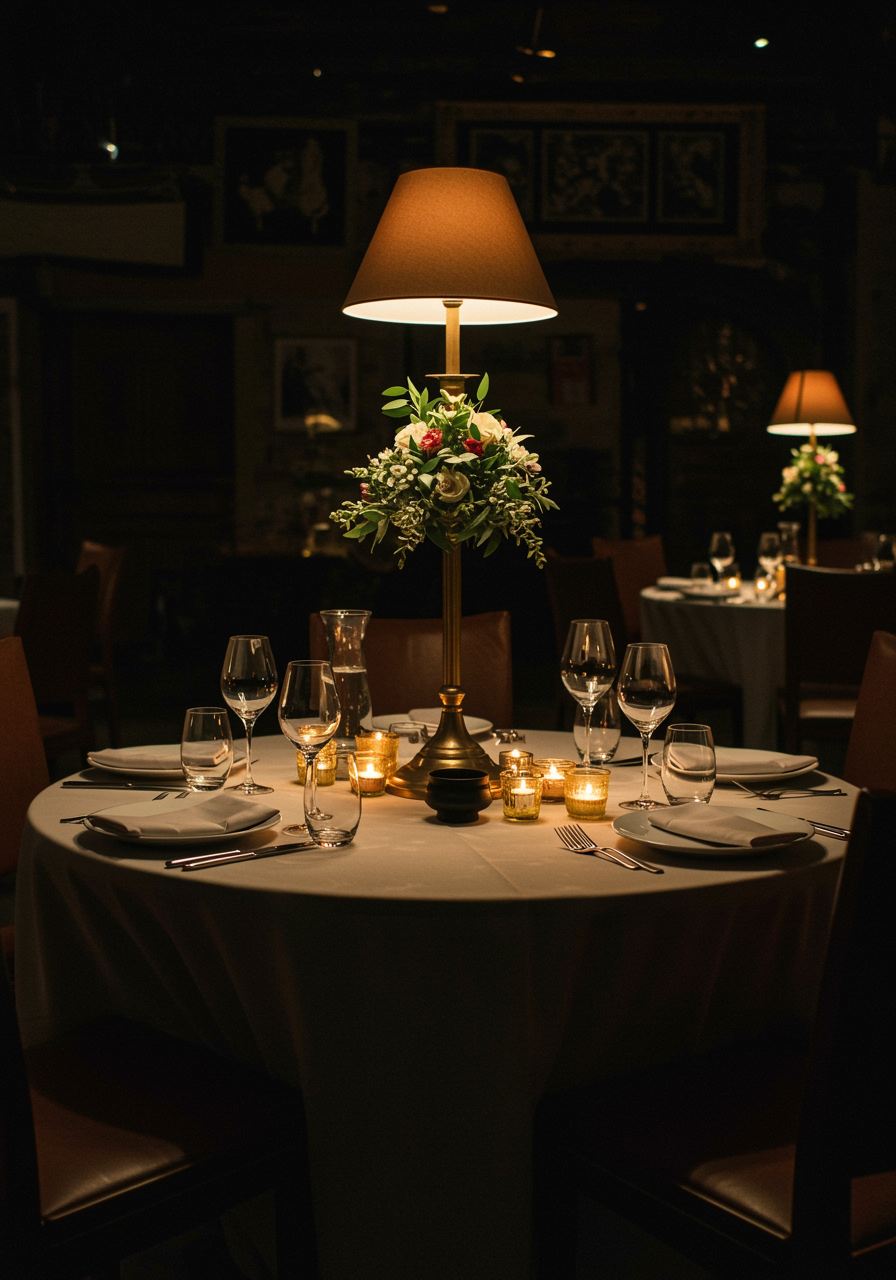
[
  {"x": 432, "y": 440},
  {"x": 365, "y": 489},
  {"x": 473, "y": 446}
]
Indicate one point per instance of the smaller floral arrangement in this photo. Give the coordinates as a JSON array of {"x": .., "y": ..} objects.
[
  {"x": 814, "y": 476},
  {"x": 456, "y": 472}
]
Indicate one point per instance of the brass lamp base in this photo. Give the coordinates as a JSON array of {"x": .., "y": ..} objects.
[{"x": 451, "y": 748}]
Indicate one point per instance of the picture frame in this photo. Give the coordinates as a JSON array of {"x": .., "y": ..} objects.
[
  {"x": 315, "y": 385},
  {"x": 627, "y": 180},
  {"x": 284, "y": 183}
]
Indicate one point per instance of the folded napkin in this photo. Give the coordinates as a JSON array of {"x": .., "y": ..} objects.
[
  {"x": 731, "y": 762},
  {"x": 688, "y": 758},
  {"x": 221, "y": 813},
  {"x": 716, "y": 826},
  {"x": 164, "y": 759}
]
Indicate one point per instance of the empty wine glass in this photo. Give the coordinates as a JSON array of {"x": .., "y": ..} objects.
[
  {"x": 308, "y": 714},
  {"x": 606, "y": 729},
  {"x": 721, "y": 551},
  {"x": 646, "y": 693},
  {"x": 587, "y": 668},
  {"x": 769, "y": 551},
  {"x": 248, "y": 683}
]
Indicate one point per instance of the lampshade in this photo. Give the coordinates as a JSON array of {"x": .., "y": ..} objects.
[
  {"x": 450, "y": 233},
  {"x": 811, "y": 400}
]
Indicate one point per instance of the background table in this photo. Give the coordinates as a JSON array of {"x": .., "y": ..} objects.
[
  {"x": 424, "y": 986},
  {"x": 742, "y": 643}
]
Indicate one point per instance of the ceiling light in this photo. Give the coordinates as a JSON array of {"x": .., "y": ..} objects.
[
  {"x": 521, "y": 48},
  {"x": 437, "y": 8},
  {"x": 761, "y": 43},
  {"x": 317, "y": 73},
  {"x": 518, "y": 78},
  {"x": 545, "y": 53}
]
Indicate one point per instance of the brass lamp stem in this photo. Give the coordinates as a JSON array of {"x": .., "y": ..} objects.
[{"x": 812, "y": 547}]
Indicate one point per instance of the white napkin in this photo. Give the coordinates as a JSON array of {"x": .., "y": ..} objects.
[
  {"x": 687, "y": 758},
  {"x": 715, "y": 826},
  {"x": 731, "y": 762},
  {"x": 164, "y": 759},
  {"x": 221, "y": 813}
]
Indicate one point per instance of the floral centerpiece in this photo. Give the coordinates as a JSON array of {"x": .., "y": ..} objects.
[
  {"x": 815, "y": 477},
  {"x": 456, "y": 472}
]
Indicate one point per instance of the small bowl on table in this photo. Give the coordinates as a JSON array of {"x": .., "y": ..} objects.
[{"x": 458, "y": 795}]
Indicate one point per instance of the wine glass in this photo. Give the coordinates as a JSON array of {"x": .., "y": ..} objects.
[
  {"x": 646, "y": 693},
  {"x": 721, "y": 551},
  {"x": 309, "y": 713},
  {"x": 248, "y": 683},
  {"x": 587, "y": 668},
  {"x": 769, "y": 552}
]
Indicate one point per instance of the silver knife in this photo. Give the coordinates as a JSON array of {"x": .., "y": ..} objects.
[
  {"x": 197, "y": 861},
  {"x": 823, "y": 828},
  {"x": 122, "y": 786}
]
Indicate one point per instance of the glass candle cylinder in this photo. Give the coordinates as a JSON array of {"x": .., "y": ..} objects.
[
  {"x": 514, "y": 758},
  {"x": 383, "y": 745},
  {"x": 365, "y": 770},
  {"x": 585, "y": 792},
  {"x": 521, "y": 793},
  {"x": 325, "y": 762},
  {"x": 732, "y": 577},
  {"x": 555, "y": 772}
]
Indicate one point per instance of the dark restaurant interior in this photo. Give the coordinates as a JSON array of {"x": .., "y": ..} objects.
[{"x": 186, "y": 196}]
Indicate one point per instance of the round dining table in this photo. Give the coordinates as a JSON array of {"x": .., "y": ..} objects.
[
  {"x": 740, "y": 640},
  {"x": 425, "y": 985}
]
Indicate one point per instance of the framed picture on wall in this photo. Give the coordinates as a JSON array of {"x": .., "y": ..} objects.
[
  {"x": 284, "y": 182},
  {"x": 315, "y": 385}
]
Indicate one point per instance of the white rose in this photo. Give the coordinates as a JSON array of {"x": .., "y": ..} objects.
[
  {"x": 489, "y": 428},
  {"x": 414, "y": 431},
  {"x": 451, "y": 485}
]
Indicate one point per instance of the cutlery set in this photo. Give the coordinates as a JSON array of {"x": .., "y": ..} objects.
[
  {"x": 197, "y": 861},
  {"x": 577, "y": 841}
]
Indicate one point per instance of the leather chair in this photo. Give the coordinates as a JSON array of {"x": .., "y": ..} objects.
[
  {"x": 23, "y": 763},
  {"x": 55, "y": 623},
  {"x": 109, "y": 562},
  {"x": 404, "y": 663},
  {"x": 871, "y": 754},
  {"x": 114, "y": 1138},
  {"x": 637, "y": 563},
  {"x": 830, "y": 617},
  {"x": 759, "y": 1159}
]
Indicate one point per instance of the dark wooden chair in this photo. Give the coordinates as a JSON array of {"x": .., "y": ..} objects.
[
  {"x": 830, "y": 617},
  {"x": 637, "y": 563},
  {"x": 55, "y": 623},
  {"x": 871, "y": 754},
  {"x": 108, "y": 562},
  {"x": 404, "y": 663},
  {"x": 763, "y": 1159},
  {"x": 585, "y": 587},
  {"x": 115, "y": 1137}
]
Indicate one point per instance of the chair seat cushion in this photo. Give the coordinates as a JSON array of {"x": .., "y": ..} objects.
[{"x": 144, "y": 1106}]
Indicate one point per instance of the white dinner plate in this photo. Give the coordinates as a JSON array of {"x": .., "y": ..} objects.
[
  {"x": 636, "y": 826},
  {"x": 747, "y": 778},
  {"x": 160, "y": 775},
  {"x": 432, "y": 715},
  {"x": 148, "y": 808},
  {"x": 694, "y": 592}
]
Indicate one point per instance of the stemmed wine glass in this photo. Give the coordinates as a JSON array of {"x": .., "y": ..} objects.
[
  {"x": 588, "y": 667},
  {"x": 721, "y": 551},
  {"x": 248, "y": 683},
  {"x": 646, "y": 693},
  {"x": 309, "y": 714},
  {"x": 769, "y": 552}
]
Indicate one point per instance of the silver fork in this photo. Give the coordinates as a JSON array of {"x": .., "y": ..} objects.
[
  {"x": 778, "y": 793},
  {"x": 577, "y": 841}
]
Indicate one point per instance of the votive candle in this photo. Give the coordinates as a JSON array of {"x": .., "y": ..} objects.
[
  {"x": 555, "y": 772},
  {"x": 585, "y": 791},
  {"x": 367, "y": 778},
  {"x": 514, "y": 758},
  {"x": 325, "y": 761},
  {"x": 382, "y": 744},
  {"x": 521, "y": 793}
]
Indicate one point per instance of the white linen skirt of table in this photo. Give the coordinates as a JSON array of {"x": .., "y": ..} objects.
[
  {"x": 423, "y": 986},
  {"x": 742, "y": 643}
]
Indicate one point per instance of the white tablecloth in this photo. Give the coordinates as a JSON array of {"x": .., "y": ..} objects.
[
  {"x": 741, "y": 642},
  {"x": 424, "y": 986}
]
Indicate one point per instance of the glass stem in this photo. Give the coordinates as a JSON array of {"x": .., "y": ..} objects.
[
  {"x": 250, "y": 781},
  {"x": 645, "y": 795},
  {"x": 309, "y": 795},
  {"x": 586, "y": 716}
]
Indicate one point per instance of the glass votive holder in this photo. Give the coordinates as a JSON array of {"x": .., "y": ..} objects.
[
  {"x": 521, "y": 793},
  {"x": 514, "y": 758},
  {"x": 383, "y": 743},
  {"x": 585, "y": 792},
  {"x": 509, "y": 735},
  {"x": 365, "y": 771},
  {"x": 325, "y": 762},
  {"x": 732, "y": 577},
  {"x": 555, "y": 772}
]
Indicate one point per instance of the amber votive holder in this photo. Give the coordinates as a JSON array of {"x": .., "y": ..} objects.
[
  {"x": 325, "y": 762},
  {"x": 585, "y": 791},
  {"x": 365, "y": 771},
  {"x": 521, "y": 793},
  {"x": 383, "y": 744},
  {"x": 513, "y": 758},
  {"x": 555, "y": 772}
]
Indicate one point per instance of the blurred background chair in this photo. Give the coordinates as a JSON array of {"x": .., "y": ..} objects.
[
  {"x": 769, "y": 1158},
  {"x": 637, "y": 563},
  {"x": 56, "y": 625},
  {"x": 23, "y": 769},
  {"x": 830, "y": 618},
  {"x": 108, "y": 562},
  {"x": 404, "y": 663},
  {"x": 871, "y": 754}
]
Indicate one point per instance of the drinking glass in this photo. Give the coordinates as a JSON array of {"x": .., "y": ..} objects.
[
  {"x": 790, "y": 545},
  {"x": 206, "y": 748},
  {"x": 721, "y": 551},
  {"x": 309, "y": 714},
  {"x": 588, "y": 667},
  {"x": 248, "y": 683},
  {"x": 769, "y": 552},
  {"x": 688, "y": 770},
  {"x": 646, "y": 693},
  {"x": 606, "y": 729},
  {"x": 701, "y": 572}
]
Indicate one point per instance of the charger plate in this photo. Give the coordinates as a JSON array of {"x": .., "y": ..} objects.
[{"x": 160, "y": 775}]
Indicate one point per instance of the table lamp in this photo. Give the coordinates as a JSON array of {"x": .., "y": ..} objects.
[
  {"x": 450, "y": 243},
  {"x": 812, "y": 405}
]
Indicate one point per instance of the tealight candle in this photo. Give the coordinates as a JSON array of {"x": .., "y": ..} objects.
[
  {"x": 325, "y": 760},
  {"x": 733, "y": 578},
  {"x": 521, "y": 793},
  {"x": 367, "y": 778},
  {"x": 585, "y": 792},
  {"x": 514, "y": 759},
  {"x": 555, "y": 772},
  {"x": 382, "y": 746}
]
